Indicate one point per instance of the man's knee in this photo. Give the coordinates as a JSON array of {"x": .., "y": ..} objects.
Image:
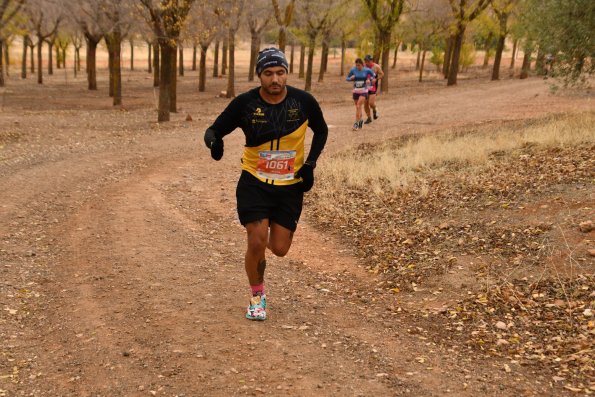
[{"x": 279, "y": 249}]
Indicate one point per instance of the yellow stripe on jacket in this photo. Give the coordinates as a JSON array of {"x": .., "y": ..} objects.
[{"x": 293, "y": 141}]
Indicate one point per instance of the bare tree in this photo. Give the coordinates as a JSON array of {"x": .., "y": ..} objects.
[
  {"x": 26, "y": 40},
  {"x": 317, "y": 17},
  {"x": 89, "y": 16},
  {"x": 203, "y": 25},
  {"x": 428, "y": 20},
  {"x": 257, "y": 22},
  {"x": 77, "y": 38},
  {"x": 44, "y": 19},
  {"x": 235, "y": 12},
  {"x": 283, "y": 20},
  {"x": 385, "y": 14},
  {"x": 502, "y": 9},
  {"x": 8, "y": 10},
  {"x": 167, "y": 20},
  {"x": 464, "y": 11}
]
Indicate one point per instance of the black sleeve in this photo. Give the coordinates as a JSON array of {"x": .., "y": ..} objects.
[
  {"x": 229, "y": 119},
  {"x": 318, "y": 125}
]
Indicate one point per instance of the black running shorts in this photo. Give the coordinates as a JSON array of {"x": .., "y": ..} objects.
[{"x": 258, "y": 200}]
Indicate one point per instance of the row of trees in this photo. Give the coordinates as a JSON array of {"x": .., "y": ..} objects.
[{"x": 562, "y": 28}]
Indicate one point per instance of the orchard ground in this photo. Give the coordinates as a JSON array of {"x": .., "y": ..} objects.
[{"x": 121, "y": 257}]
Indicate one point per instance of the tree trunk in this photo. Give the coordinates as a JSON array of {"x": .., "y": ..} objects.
[
  {"x": 526, "y": 64},
  {"x": 167, "y": 52},
  {"x": 2, "y": 83},
  {"x": 282, "y": 38},
  {"x": 418, "y": 61},
  {"x": 194, "y": 57},
  {"x": 202, "y": 69},
  {"x": 254, "y": 48},
  {"x": 91, "y": 64},
  {"x": 110, "y": 65},
  {"x": 50, "y": 58},
  {"x": 149, "y": 57},
  {"x": 75, "y": 61},
  {"x": 78, "y": 59},
  {"x": 24, "y": 58},
  {"x": 231, "y": 91},
  {"x": 325, "y": 50},
  {"x": 216, "y": 60},
  {"x": 6, "y": 58},
  {"x": 116, "y": 67},
  {"x": 181, "y": 62},
  {"x": 395, "y": 56},
  {"x": 311, "y": 45},
  {"x": 486, "y": 58},
  {"x": 540, "y": 62},
  {"x": 39, "y": 60},
  {"x": 514, "y": 49},
  {"x": 292, "y": 56},
  {"x": 423, "y": 61},
  {"x": 131, "y": 54},
  {"x": 58, "y": 58},
  {"x": 301, "y": 73},
  {"x": 32, "y": 56},
  {"x": 385, "y": 38},
  {"x": 323, "y": 57},
  {"x": 498, "y": 57},
  {"x": 343, "y": 50},
  {"x": 456, "y": 54},
  {"x": 173, "y": 83},
  {"x": 224, "y": 57},
  {"x": 156, "y": 65},
  {"x": 64, "y": 57},
  {"x": 447, "y": 56}
]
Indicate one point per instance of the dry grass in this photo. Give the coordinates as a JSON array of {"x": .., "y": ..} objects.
[{"x": 393, "y": 166}]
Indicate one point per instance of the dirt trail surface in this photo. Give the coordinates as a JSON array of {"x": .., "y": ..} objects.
[{"x": 121, "y": 257}]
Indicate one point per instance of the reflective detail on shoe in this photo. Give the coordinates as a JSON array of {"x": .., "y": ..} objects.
[
  {"x": 257, "y": 308},
  {"x": 355, "y": 125},
  {"x": 368, "y": 121}
]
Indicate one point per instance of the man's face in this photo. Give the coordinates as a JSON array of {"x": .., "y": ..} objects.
[
  {"x": 369, "y": 63},
  {"x": 273, "y": 79}
]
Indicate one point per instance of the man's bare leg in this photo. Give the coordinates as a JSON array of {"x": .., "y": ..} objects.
[
  {"x": 258, "y": 236},
  {"x": 280, "y": 239}
]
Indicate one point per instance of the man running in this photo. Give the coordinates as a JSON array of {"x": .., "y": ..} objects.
[
  {"x": 362, "y": 78},
  {"x": 373, "y": 90},
  {"x": 275, "y": 171}
]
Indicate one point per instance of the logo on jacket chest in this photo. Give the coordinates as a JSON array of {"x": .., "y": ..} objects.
[
  {"x": 258, "y": 116},
  {"x": 293, "y": 115}
]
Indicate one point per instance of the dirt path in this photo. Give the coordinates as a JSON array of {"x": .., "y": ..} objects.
[{"x": 121, "y": 261}]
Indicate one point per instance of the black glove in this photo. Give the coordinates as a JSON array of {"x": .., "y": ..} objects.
[
  {"x": 307, "y": 175},
  {"x": 214, "y": 143}
]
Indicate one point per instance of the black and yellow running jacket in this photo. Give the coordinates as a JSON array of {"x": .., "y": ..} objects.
[{"x": 274, "y": 127}]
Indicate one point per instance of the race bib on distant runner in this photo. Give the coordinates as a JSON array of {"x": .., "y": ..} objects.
[
  {"x": 360, "y": 84},
  {"x": 276, "y": 164}
]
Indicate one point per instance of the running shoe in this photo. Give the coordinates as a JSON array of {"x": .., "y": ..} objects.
[
  {"x": 360, "y": 124},
  {"x": 368, "y": 121},
  {"x": 375, "y": 114},
  {"x": 356, "y": 126},
  {"x": 257, "y": 308}
]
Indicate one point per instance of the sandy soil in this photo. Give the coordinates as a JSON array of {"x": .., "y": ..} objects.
[{"x": 121, "y": 258}]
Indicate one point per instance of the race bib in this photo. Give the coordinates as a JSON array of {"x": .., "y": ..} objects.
[
  {"x": 276, "y": 164},
  {"x": 360, "y": 84}
]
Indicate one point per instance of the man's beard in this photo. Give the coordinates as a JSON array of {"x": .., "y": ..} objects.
[{"x": 278, "y": 89}]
